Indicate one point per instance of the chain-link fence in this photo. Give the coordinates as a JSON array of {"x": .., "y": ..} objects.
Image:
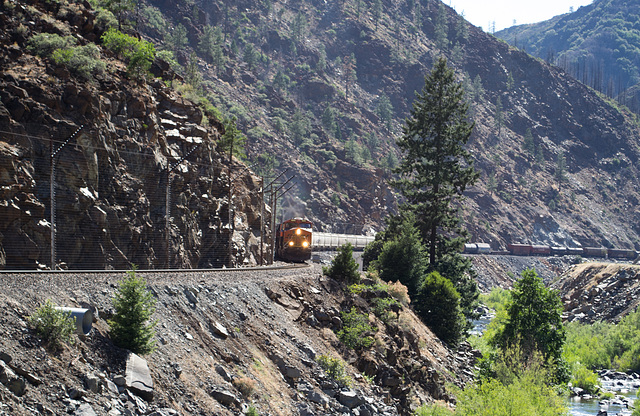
[{"x": 75, "y": 202}]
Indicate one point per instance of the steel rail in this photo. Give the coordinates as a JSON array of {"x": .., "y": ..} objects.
[{"x": 228, "y": 269}]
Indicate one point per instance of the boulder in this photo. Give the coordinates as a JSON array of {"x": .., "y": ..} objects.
[
  {"x": 350, "y": 399},
  {"x": 224, "y": 397},
  {"x": 138, "y": 377}
]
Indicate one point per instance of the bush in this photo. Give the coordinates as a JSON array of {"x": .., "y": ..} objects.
[
  {"x": 134, "y": 305},
  {"x": 344, "y": 267},
  {"x": 384, "y": 308},
  {"x": 354, "y": 327},
  {"x": 334, "y": 367},
  {"x": 403, "y": 258},
  {"x": 138, "y": 54},
  {"x": 80, "y": 60},
  {"x": 251, "y": 411},
  {"x": 438, "y": 305},
  {"x": 245, "y": 385},
  {"x": 54, "y": 326},
  {"x": 433, "y": 410},
  {"x": 526, "y": 395},
  {"x": 584, "y": 378}
]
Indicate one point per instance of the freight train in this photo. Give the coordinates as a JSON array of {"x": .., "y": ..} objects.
[
  {"x": 542, "y": 250},
  {"x": 294, "y": 240}
]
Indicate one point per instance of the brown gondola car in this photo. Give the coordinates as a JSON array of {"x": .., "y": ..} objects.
[{"x": 293, "y": 240}]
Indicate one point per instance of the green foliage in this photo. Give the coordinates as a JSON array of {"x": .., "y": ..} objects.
[
  {"x": 80, "y": 60},
  {"x": 527, "y": 394},
  {"x": 83, "y": 61},
  {"x": 177, "y": 38},
  {"x": 335, "y": 369},
  {"x": 343, "y": 266},
  {"x": 438, "y": 305},
  {"x": 384, "y": 308},
  {"x": 233, "y": 141},
  {"x": 433, "y": 410},
  {"x": 384, "y": 110},
  {"x": 584, "y": 378},
  {"x": 561, "y": 168},
  {"x": 528, "y": 144},
  {"x": 299, "y": 130},
  {"x": 534, "y": 322},
  {"x": 355, "y": 326},
  {"x": 54, "y": 326},
  {"x": 130, "y": 325},
  {"x": 119, "y": 8},
  {"x": 251, "y": 411},
  {"x": 402, "y": 256},
  {"x": 139, "y": 54},
  {"x": 605, "y": 345}
]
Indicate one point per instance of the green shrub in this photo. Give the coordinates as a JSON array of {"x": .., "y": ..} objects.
[
  {"x": 83, "y": 61},
  {"x": 334, "y": 367},
  {"x": 354, "y": 327},
  {"x": 251, "y": 411},
  {"x": 584, "y": 378},
  {"x": 54, "y": 326},
  {"x": 138, "y": 54},
  {"x": 438, "y": 305},
  {"x": 80, "y": 60},
  {"x": 134, "y": 305},
  {"x": 344, "y": 267},
  {"x": 383, "y": 308},
  {"x": 45, "y": 44},
  {"x": 526, "y": 395},
  {"x": 433, "y": 410}
]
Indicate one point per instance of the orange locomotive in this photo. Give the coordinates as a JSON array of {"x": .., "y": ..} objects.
[{"x": 293, "y": 240}]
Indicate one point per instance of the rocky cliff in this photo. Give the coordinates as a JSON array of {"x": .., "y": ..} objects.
[{"x": 130, "y": 168}]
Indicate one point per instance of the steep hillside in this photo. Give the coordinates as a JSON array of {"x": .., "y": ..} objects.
[
  {"x": 226, "y": 341},
  {"x": 597, "y": 44},
  {"x": 323, "y": 88}
]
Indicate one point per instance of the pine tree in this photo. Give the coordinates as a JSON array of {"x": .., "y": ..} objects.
[
  {"x": 435, "y": 171},
  {"x": 133, "y": 305}
]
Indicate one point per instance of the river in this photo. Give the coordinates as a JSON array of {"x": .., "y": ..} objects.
[{"x": 625, "y": 390}]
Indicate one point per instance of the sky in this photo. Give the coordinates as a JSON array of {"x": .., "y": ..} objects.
[{"x": 504, "y": 12}]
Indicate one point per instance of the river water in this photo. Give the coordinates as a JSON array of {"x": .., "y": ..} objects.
[{"x": 625, "y": 391}]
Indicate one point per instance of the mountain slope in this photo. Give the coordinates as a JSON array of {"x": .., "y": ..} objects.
[
  {"x": 598, "y": 44},
  {"x": 557, "y": 160}
]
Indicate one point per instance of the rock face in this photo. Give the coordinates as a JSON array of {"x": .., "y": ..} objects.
[
  {"x": 594, "y": 292},
  {"x": 117, "y": 188}
]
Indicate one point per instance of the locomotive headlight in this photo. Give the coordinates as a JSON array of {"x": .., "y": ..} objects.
[
  {"x": 305, "y": 244},
  {"x": 290, "y": 243},
  {"x": 298, "y": 231}
]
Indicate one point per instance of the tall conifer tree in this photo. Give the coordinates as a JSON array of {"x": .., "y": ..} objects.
[{"x": 435, "y": 171}]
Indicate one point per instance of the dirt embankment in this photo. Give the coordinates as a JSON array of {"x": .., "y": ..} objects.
[{"x": 226, "y": 341}]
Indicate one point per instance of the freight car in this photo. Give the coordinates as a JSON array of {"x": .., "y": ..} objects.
[
  {"x": 294, "y": 240},
  {"x": 543, "y": 250}
]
